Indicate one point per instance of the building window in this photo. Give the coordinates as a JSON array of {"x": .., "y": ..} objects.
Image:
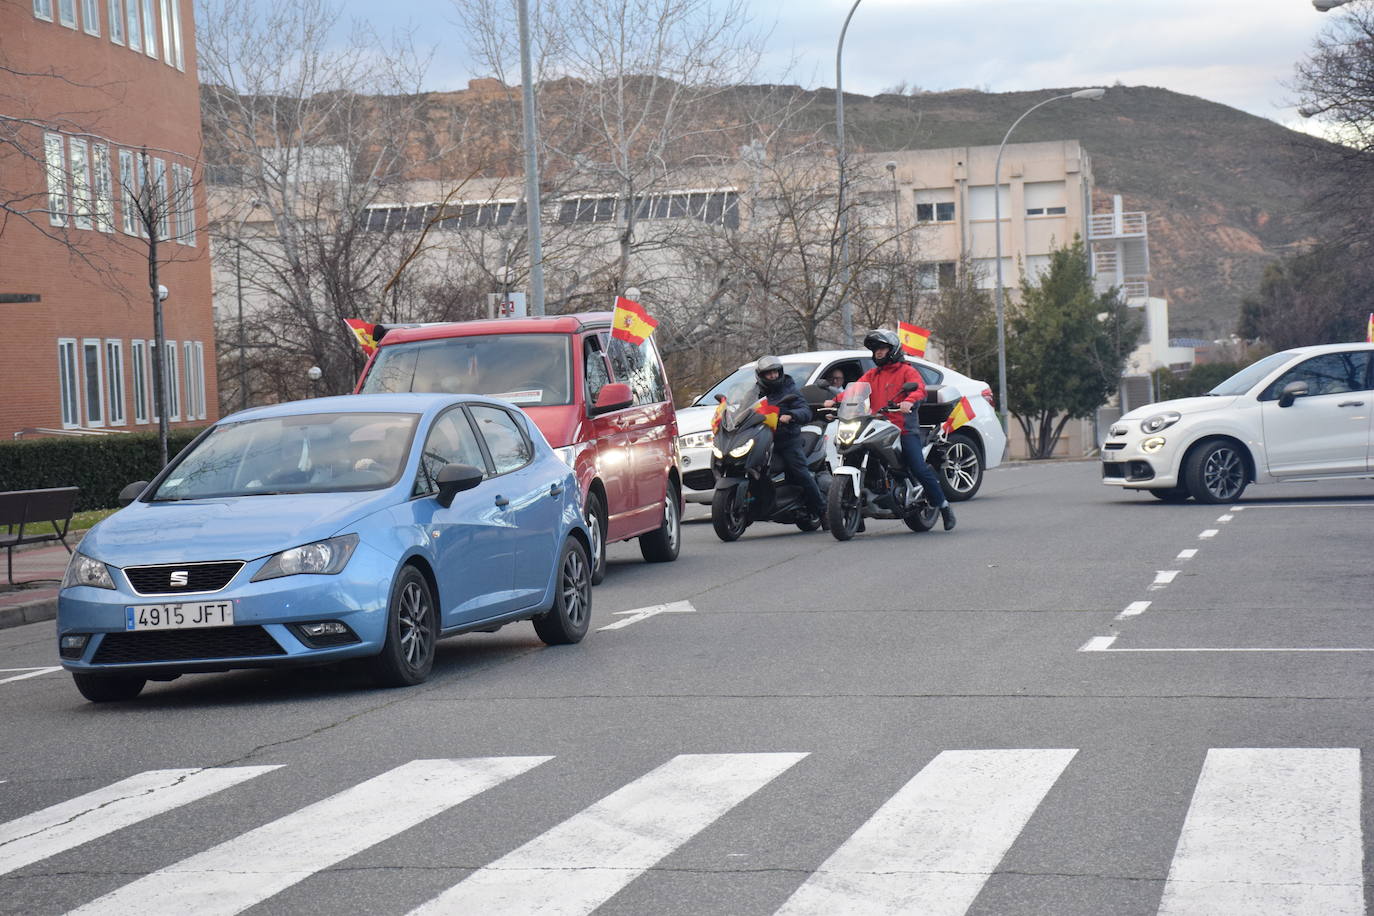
[
  {"x": 135, "y": 29},
  {"x": 90, "y": 17},
  {"x": 66, "y": 380},
  {"x": 138, "y": 354},
  {"x": 160, "y": 199},
  {"x": 104, "y": 203},
  {"x": 166, "y": 33},
  {"x": 171, "y": 380},
  {"x": 188, "y": 371},
  {"x": 56, "y": 165},
  {"x": 982, "y": 205},
  {"x": 42, "y": 9},
  {"x": 81, "y": 183},
  {"x": 184, "y": 205},
  {"x": 176, "y": 34},
  {"x": 200, "y": 380},
  {"x": 149, "y": 29},
  {"x": 66, "y": 13},
  {"x": 933, "y": 276},
  {"x": 117, "y": 21},
  {"x": 94, "y": 382},
  {"x": 128, "y": 210},
  {"x": 114, "y": 380},
  {"x": 1045, "y": 198}
]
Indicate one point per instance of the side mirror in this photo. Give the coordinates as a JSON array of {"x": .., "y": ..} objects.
[
  {"x": 132, "y": 492},
  {"x": 613, "y": 396},
  {"x": 1291, "y": 392},
  {"x": 454, "y": 479}
]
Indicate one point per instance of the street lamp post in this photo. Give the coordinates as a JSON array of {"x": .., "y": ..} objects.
[
  {"x": 1002, "y": 406},
  {"x": 846, "y": 308},
  {"x": 532, "y": 213}
]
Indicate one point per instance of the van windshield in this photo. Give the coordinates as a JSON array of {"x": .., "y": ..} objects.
[{"x": 529, "y": 370}]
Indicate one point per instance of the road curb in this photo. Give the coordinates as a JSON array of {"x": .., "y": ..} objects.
[{"x": 18, "y": 615}]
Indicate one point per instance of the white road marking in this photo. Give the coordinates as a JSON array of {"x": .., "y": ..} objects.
[
  {"x": 1133, "y": 609},
  {"x": 1368, "y": 505},
  {"x": 1162, "y": 578},
  {"x": 1094, "y": 645},
  {"x": 253, "y": 866},
  {"x": 1097, "y": 644},
  {"x": 1225, "y": 518},
  {"x": 1271, "y": 830},
  {"x": 1187, "y": 554},
  {"x": 79, "y": 820},
  {"x": 1209, "y": 533},
  {"x": 930, "y": 848},
  {"x": 643, "y": 613},
  {"x": 32, "y": 672},
  {"x": 587, "y": 859}
]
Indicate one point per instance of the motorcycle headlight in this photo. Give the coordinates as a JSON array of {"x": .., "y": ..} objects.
[
  {"x": 740, "y": 451},
  {"x": 846, "y": 431},
  {"x": 1152, "y": 444},
  {"x": 82, "y": 570},
  {"x": 323, "y": 558},
  {"x": 1154, "y": 424},
  {"x": 695, "y": 440},
  {"x": 715, "y": 450}
]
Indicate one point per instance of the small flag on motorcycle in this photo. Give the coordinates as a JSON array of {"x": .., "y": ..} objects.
[
  {"x": 913, "y": 337},
  {"x": 1369, "y": 329},
  {"x": 717, "y": 416},
  {"x": 769, "y": 414},
  {"x": 364, "y": 333},
  {"x": 961, "y": 414},
  {"x": 631, "y": 322}
]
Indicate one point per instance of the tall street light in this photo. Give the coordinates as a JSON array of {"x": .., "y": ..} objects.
[
  {"x": 532, "y": 214},
  {"x": 846, "y": 309},
  {"x": 1002, "y": 406}
]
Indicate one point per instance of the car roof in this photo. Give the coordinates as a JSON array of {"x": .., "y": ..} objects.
[
  {"x": 1317, "y": 349},
  {"x": 405, "y": 402},
  {"x": 547, "y": 324}
]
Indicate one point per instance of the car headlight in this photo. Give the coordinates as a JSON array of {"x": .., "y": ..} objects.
[
  {"x": 846, "y": 431},
  {"x": 1152, "y": 444},
  {"x": 82, "y": 570},
  {"x": 696, "y": 440},
  {"x": 323, "y": 558},
  {"x": 1159, "y": 421},
  {"x": 740, "y": 451}
]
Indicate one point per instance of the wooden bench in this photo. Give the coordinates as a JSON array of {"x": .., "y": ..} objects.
[{"x": 20, "y": 509}]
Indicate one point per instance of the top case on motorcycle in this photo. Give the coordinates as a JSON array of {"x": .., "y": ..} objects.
[{"x": 939, "y": 404}]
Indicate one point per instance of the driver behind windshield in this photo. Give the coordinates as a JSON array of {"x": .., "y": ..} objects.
[{"x": 778, "y": 388}]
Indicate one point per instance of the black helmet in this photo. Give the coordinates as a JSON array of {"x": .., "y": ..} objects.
[
  {"x": 768, "y": 364},
  {"x": 882, "y": 337}
]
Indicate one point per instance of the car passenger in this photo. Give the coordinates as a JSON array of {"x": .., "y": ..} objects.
[{"x": 778, "y": 388}]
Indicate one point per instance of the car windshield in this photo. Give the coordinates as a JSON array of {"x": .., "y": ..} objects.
[
  {"x": 1250, "y": 376},
  {"x": 529, "y": 370},
  {"x": 307, "y": 453},
  {"x": 735, "y": 385}
]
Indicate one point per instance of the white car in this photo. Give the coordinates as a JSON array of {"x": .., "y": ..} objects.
[
  {"x": 973, "y": 448},
  {"x": 1303, "y": 414}
]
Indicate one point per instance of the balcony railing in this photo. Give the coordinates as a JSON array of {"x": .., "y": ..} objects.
[{"x": 1107, "y": 226}]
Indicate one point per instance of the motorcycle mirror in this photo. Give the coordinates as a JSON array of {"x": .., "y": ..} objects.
[
  {"x": 910, "y": 387},
  {"x": 720, "y": 398}
]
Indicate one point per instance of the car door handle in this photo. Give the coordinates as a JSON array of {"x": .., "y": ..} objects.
[
  {"x": 1351, "y": 404},
  {"x": 556, "y": 490},
  {"x": 502, "y": 501}
]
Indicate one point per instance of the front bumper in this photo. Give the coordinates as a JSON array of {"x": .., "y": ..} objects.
[
  {"x": 698, "y": 481},
  {"x": 264, "y": 634},
  {"x": 1126, "y": 464}
]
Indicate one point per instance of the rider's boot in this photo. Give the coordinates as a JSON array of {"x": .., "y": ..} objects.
[{"x": 947, "y": 513}]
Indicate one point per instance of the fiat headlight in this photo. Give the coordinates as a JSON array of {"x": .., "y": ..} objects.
[
  {"x": 846, "y": 431},
  {"x": 1159, "y": 421},
  {"x": 323, "y": 558},
  {"x": 82, "y": 570},
  {"x": 695, "y": 440},
  {"x": 740, "y": 451},
  {"x": 1152, "y": 444}
]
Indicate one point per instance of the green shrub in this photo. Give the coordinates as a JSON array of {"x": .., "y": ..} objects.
[{"x": 100, "y": 465}]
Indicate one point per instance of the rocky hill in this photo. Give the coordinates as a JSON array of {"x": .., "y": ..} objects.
[{"x": 1219, "y": 185}]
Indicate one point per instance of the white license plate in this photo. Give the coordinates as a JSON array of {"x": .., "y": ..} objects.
[{"x": 183, "y": 616}]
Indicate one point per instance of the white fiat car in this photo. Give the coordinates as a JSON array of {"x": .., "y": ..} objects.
[
  {"x": 974, "y": 448},
  {"x": 1303, "y": 414}
]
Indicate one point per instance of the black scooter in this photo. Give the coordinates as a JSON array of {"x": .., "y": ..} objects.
[{"x": 751, "y": 485}]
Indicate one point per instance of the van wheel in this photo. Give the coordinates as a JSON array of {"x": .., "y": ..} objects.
[
  {"x": 566, "y": 621},
  {"x": 596, "y": 533},
  {"x": 100, "y": 689},
  {"x": 662, "y": 546}
]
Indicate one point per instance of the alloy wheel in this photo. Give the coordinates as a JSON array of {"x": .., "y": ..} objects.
[
  {"x": 416, "y": 637},
  {"x": 1223, "y": 474},
  {"x": 575, "y": 585},
  {"x": 961, "y": 466}
]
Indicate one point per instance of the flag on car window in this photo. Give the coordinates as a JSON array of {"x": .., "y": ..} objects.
[
  {"x": 913, "y": 337},
  {"x": 363, "y": 333},
  {"x": 961, "y": 414},
  {"x": 631, "y": 322},
  {"x": 769, "y": 413}
]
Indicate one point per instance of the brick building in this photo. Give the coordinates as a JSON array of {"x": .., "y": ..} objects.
[{"x": 99, "y": 159}]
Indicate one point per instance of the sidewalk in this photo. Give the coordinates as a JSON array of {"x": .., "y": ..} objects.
[{"x": 38, "y": 571}]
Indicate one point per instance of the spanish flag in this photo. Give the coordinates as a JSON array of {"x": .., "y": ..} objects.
[
  {"x": 631, "y": 322},
  {"x": 913, "y": 337},
  {"x": 769, "y": 414},
  {"x": 363, "y": 333},
  {"x": 961, "y": 414},
  {"x": 718, "y": 416},
  {"x": 1369, "y": 329}
]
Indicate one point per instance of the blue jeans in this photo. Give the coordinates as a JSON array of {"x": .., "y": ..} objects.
[
  {"x": 912, "y": 450},
  {"x": 794, "y": 463}
]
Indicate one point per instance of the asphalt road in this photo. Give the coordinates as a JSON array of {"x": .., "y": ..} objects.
[{"x": 1054, "y": 709}]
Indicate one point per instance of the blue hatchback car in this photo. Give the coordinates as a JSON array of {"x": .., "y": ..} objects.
[{"x": 315, "y": 531}]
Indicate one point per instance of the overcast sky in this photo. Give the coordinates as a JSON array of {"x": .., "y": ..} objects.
[{"x": 1238, "y": 52}]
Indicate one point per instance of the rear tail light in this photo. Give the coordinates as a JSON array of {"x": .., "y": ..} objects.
[{"x": 987, "y": 396}]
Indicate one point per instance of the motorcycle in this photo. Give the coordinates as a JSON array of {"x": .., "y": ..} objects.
[
  {"x": 751, "y": 484},
  {"x": 874, "y": 481}
]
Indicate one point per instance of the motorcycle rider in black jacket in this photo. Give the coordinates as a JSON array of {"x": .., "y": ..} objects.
[{"x": 781, "y": 391}]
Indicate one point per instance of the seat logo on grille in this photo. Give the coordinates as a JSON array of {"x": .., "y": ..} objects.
[{"x": 178, "y": 578}]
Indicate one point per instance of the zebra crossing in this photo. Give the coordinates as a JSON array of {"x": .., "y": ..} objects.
[{"x": 1267, "y": 830}]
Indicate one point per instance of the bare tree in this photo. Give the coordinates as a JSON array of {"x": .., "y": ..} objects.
[{"x": 963, "y": 322}]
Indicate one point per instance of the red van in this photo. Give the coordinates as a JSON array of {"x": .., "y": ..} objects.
[{"x": 603, "y": 404}]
